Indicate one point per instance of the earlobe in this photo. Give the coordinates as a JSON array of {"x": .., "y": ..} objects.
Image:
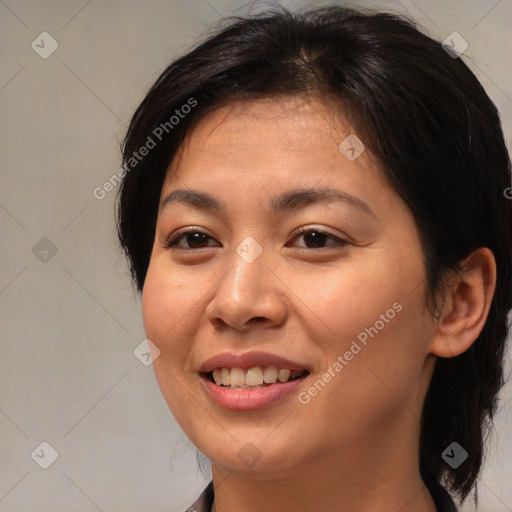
[{"x": 468, "y": 299}]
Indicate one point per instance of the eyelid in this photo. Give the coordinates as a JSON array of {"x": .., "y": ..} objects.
[{"x": 318, "y": 229}]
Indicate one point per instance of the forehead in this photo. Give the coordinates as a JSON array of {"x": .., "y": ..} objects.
[
  {"x": 284, "y": 123},
  {"x": 264, "y": 147},
  {"x": 290, "y": 134}
]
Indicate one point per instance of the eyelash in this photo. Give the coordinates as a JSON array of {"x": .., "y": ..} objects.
[{"x": 172, "y": 243}]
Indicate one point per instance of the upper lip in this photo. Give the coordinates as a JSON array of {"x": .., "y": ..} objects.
[{"x": 248, "y": 360}]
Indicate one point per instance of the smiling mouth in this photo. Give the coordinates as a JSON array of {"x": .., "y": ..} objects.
[{"x": 257, "y": 377}]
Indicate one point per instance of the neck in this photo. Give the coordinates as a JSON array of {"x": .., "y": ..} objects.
[{"x": 366, "y": 478}]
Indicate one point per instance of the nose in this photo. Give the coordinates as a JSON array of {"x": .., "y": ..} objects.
[{"x": 248, "y": 294}]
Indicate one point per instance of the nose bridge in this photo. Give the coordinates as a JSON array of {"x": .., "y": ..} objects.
[
  {"x": 248, "y": 261},
  {"x": 246, "y": 288}
]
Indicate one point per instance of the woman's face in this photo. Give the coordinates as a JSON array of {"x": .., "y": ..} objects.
[{"x": 343, "y": 302}]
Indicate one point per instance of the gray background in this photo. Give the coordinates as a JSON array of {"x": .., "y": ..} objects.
[{"x": 70, "y": 323}]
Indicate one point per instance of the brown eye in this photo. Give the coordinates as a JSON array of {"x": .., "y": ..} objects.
[
  {"x": 315, "y": 238},
  {"x": 196, "y": 239}
]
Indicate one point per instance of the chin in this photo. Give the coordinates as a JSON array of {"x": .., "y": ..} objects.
[{"x": 252, "y": 456}]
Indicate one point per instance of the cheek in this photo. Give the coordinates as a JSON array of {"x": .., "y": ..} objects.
[
  {"x": 384, "y": 363},
  {"x": 379, "y": 327},
  {"x": 164, "y": 307},
  {"x": 161, "y": 312},
  {"x": 163, "y": 315},
  {"x": 154, "y": 310},
  {"x": 362, "y": 302}
]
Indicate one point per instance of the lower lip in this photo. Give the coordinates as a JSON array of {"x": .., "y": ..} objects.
[{"x": 249, "y": 399}]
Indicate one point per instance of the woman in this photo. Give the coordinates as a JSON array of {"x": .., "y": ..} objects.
[{"x": 314, "y": 211}]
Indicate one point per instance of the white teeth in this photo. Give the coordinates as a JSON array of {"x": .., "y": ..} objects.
[
  {"x": 270, "y": 374},
  {"x": 283, "y": 375},
  {"x": 256, "y": 377},
  {"x": 224, "y": 377},
  {"x": 237, "y": 377}
]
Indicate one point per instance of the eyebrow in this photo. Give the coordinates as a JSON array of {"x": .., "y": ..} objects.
[{"x": 283, "y": 203}]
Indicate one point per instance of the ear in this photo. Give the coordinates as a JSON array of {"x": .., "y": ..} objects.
[{"x": 468, "y": 299}]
